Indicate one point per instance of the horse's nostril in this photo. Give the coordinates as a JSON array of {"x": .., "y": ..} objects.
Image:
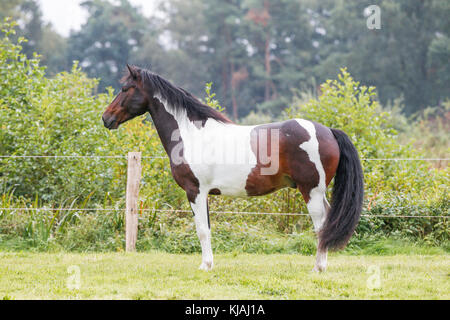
[{"x": 109, "y": 121}]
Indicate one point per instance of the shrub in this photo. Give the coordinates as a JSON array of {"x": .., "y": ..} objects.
[
  {"x": 391, "y": 187},
  {"x": 61, "y": 116}
]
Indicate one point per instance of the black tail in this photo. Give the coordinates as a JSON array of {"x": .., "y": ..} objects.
[{"x": 347, "y": 198}]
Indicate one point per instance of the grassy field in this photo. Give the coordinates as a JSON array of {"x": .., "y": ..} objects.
[{"x": 156, "y": 275}]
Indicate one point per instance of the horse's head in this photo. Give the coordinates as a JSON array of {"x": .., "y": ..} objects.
[{"x": 131, "y": 102}]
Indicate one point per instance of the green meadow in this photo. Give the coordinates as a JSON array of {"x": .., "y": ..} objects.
[{"x": 157, "y": 275}]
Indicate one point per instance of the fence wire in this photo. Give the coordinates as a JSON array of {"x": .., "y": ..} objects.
[
  {"x": 164, "y": 157},
  {"x": 212, "y": 211}
]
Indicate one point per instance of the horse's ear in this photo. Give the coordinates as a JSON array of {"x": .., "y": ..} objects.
[{"x": 133, "y": 72}]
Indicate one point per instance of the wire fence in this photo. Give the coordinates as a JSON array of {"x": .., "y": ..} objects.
[
  {"x": 164, "y": 157},
  {"x": 76, "y": 156},
  {"x": 212, "y": 211}
]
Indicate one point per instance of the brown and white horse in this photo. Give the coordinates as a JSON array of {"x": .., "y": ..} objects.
[{"x": 211, "y": 155}]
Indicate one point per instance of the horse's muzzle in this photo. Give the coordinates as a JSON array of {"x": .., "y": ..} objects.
[{"x": 110, "y": 122}]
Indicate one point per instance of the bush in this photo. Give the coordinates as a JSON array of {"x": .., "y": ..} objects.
[
  {"x": 430, "y": 132},
  {"x": 391, "y": 187},
  {"x": 41, "y": 116},
  {"x": 62, "y": 116}
]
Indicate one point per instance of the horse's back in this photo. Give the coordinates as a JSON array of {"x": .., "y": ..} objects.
[
  {"x": 306, "y": 153},
  {"x": 254, "y": 160}
]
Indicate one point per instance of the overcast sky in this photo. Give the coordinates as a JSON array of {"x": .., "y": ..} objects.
[{"x": 66, "y": 15}]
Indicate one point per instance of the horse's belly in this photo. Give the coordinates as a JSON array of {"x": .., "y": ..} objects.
[
  {"x": 224, "y": 179},
  {"x": 221, "y": 158}
]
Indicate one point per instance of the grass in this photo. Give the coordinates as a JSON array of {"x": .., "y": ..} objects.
[{"x": 157, "y": 275}]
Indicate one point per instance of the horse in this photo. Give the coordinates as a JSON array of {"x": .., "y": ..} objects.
[{"x": 210, "y": 154}]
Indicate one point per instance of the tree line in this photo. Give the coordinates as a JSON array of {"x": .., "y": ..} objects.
[{"x": 257, "y": 53}]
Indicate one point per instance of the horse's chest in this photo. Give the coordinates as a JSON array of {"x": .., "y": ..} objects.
[{"x": 220, "y": 157}]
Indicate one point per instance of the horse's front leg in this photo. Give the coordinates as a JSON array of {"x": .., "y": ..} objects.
[{"x": 201, "y": 218}]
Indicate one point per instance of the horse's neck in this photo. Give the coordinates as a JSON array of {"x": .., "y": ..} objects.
[
  {"x": 174, "y": 126},
  {"x": 165, "y": 125}
]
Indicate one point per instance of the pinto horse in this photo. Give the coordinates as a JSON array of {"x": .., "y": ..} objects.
[{"x": 209, "y": 154}]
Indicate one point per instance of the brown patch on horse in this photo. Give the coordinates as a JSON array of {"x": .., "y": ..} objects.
[
  {"x": 215, "y": 191},
  {"x": 186, "y": 179},
  {"x": 129, "y": 103},
  {"x": 295, "y": 168},
  {"x": 302, "y": 170},
  {"x": 258, "y": 184}
]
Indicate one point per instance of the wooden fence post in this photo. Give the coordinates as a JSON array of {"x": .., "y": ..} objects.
[{"x": 133, "y": 180}]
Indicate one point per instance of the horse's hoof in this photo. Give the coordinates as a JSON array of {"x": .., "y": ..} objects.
[
  {"x": 206, "y": 266},
  {"x": 319, "y": 268}
]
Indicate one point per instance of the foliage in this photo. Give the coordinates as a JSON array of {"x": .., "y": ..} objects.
[
  {"x": 49, "y": 117},
  {"x": 430, "y": 132},
  {"x": 257, "y": 52},
  {"x": 210, "y": 98},
  {"x": 41, "y": 37},
  {"x": 351, "y": 107},
  {"x": 261, "y": 51},
  {"x": 255, "y": 118},
  {"x": 105, "y": 43},
  {"x": 254, "y": 51},
  {"x": 391, "y": 187},
  {"x": 61, "y": 116},
  {"x": 406, "y": 57}
]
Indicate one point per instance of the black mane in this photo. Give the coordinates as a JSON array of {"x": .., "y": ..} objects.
[{"x": 179, "y": 98}]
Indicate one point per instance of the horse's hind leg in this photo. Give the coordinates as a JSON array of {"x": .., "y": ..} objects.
[{"x": 318, "y": 208}]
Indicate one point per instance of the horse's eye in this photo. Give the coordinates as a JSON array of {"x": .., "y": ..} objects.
[{"x": 126, "y": 88}]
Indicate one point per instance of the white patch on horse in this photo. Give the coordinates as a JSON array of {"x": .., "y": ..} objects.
[
  {"x": 219, "y": 154},
  {"x": 200, "y": 209},
  {"x": 317, "y": 201},
  {"x": 312, "y": 149},
  {"x": 316, "y": 195}
]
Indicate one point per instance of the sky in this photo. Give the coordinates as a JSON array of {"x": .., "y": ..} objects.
[{"x": 66, "y": 15}]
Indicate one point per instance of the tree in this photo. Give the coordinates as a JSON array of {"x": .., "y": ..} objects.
[
  {"x": 230, "y": 68},
  {"x": 175, "y": 46},
  {"x": 397, "y": 58},
  {"x": 284, "y": 53},
  {"x": 257, "y": 51},
  {"x": 105, "y": 43},
  {"x": 254, "y": 52},
  {"x": 9, "y": 8},
  {"x": 41, "y": 38}
]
